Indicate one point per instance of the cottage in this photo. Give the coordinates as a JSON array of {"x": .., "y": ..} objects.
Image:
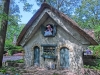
[{"x": 52, "y": 40}]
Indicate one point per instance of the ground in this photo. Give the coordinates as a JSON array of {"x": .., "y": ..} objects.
[{"x": 19, "y": 70}]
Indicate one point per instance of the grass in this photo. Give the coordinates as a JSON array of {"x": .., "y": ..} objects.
[{"x": 10, "y": 70}]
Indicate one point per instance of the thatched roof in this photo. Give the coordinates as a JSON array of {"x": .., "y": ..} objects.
[{"x": 73, "y": 24}]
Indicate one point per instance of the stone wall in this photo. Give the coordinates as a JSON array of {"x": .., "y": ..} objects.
[{"x": 66, "y": 37}]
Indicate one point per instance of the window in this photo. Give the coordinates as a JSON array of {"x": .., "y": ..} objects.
[
  {"x": 49, "y": 51},
  {"x": 49, "y": 30}
]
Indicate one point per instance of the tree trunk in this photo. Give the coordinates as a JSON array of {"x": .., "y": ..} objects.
[{"x": 3, "y": 28}]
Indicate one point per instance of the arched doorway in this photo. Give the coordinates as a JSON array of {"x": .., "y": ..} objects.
[
  {"x": 64, "y": 57},
  {"x": 36, "y": 56}
]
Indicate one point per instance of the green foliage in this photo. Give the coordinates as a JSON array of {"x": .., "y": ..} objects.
[
  {"x": 96, "y": 50},
  {"x": 13, "y": 27},
  {"x": 3, "y": 16},
  {"x": 12, "y": 70},
  {"x": 95, "y": 67},
  {"x": 3, "y": 70},
  {"x": 97, "y": 28},
  {"x": 10, "y": 52},
  {"x": 55, "y": 73},
  {"x": 95, "y": 63},
  {"x": 20, "y": 61},
  {"x": 65, "y": 6},
  {"x": 9, "y": 46},
  {"x": 27, "y": 7},
  {"x": 87, "y": 14},
  {"x": 16, "y": 61},
  {"x": 11, "y": 49},
  {"x": 97, "y": 33}
]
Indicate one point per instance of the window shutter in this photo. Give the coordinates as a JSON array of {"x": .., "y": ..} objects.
[
  {"x": 42, "y": 29},
  {"x": 54, "y": 30}
]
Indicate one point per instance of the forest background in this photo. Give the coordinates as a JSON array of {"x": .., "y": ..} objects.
[{"x": 85, "y": 12}]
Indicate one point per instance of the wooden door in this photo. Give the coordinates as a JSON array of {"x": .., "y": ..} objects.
[
  {"x": 36, "y": 56},
  {"x": 64, "y": 57}
]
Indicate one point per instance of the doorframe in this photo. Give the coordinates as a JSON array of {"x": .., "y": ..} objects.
[
  {"x": 33, "y": 54},
  {"x": 70, "y": 48},
  {"x": 68, "y": 58}
]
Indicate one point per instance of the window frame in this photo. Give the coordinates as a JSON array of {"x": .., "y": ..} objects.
[
  {"x": 43, "y": 28},
  {"x": 49, "y": 53}
]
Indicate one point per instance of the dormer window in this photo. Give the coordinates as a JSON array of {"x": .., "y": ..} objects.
[{"x": 49, "y": 30}]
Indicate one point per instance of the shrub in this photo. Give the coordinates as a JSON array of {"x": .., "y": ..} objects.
[
  {"x": 3, "y": 70},
  {"x": 16, "y": 61},
  {"x": 20, "y": 61},
  {"x": 95, "y": 67}
]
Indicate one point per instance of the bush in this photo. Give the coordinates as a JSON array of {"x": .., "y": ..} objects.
[
  {"x": 96, "y": 50},
  {"x": 20, "y": 61},
  {"x": 95, "y": 67},
  {"x": 3, "y": 70},
  {"x": 9, "y": 71},
  {"x": 11, "y": 49},
  {"x": 10, "y": 52},
  {"x": 96, "y": 55},
  {"x": 17, "y": 61}
]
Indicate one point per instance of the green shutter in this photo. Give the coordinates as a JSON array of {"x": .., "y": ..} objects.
[
  {"x": 54, "y": 30},
  {"x": 42, "y": 29}
]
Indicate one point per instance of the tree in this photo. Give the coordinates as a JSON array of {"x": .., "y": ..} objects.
[
  {"x": 65, "y": 6},
  {"x": 13, "y": 19},
  {"x": 14, "y": 28},
  {"x": 88, "y": 14},
  {"x": 3, "y": 28},
  {"x": 97, "y": 33},
  {"x": 11, "y": 36}
]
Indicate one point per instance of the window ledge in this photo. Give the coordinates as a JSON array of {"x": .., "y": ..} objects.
[{"x": 49, "y": 56}]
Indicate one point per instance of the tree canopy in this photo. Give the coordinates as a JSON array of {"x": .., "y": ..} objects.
[
  {"x": 9, "y": 18},
  {"x": 66, "y": 6}
]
